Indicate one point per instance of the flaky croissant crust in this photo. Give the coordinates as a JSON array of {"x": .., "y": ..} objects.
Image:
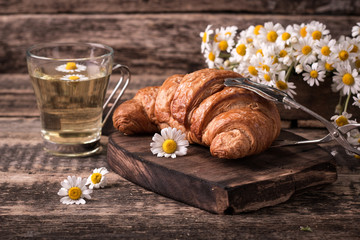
[{"x": 233, "y": 122}]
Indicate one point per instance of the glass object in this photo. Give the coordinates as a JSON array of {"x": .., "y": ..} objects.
[{"x": 70, "y": 82}]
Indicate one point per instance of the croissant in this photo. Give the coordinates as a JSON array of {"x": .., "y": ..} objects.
[{"x": 233, "y": 122}]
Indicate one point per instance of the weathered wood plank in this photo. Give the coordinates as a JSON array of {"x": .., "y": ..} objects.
[
  {"x": 349, "y": 7},
  {"x": 148, "y": 43}
]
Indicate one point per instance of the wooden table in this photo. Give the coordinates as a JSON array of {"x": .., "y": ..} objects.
[{"x": 30, "y": 206}]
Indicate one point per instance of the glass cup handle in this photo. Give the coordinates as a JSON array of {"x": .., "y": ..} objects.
[{"x": 125, "y": 74}]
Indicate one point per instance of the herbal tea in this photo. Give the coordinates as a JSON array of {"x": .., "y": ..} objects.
[{"x": 70, "y": 97}]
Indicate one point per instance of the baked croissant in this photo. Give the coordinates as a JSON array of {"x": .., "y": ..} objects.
[{"x": 233, "y": 122}]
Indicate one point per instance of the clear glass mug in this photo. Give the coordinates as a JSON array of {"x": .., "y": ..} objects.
[{"x": 70, "y": 82}]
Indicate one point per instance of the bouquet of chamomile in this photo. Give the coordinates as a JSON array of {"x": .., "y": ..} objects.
[{"x": 270, "y": 53}]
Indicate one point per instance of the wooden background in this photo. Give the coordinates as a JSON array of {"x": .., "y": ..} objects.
[{"x": 155, "y": 38}]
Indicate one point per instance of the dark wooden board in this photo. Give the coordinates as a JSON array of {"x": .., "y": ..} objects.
[{"x": 220, "y": 185}]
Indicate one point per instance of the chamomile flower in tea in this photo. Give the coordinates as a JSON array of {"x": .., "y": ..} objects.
[
  {"x": 71, "y": 67},
  {"x": 74, "y": 77}
]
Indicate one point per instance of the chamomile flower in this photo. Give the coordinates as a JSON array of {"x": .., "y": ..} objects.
[
  {"x": 270, "y": 32},
  {"x": 248, "y": 35},
  {"x": 314, "y": 74},
  {"x": 346, "y": 80},
  {"x": 224, "y": 38},
  {"x": 267, "y": 78},
  {"x": 97, "y": 179},
  {"x": 170, "y": 143},
  {"x": 286, "y": 36},
  {"x": 305, "y": 51},
  {"x": 211, "y": 55},
  {"x": 300, "y": 31},
  {"x": 285, "y": 56},
  {"x": 325, "y": 47},
  {"x": 282, "y": 85},
  {"x": 354, "y": 137},
  {"x": 342, "y": 53},
  {"x": 241, "y": 52},
  {"x": 355, "y": 42},
  {"x": 74, "y": 191},
  {"x": 206, "y": 37},
  {"x": 71, "y": 67},
  {"x": 317, "y": 30},
  {"x": 341, "y": 120},
  {"x": 355, "y": 31},
  {"x": 357, "y": 100},
  {"x": 74, "y": 77}
]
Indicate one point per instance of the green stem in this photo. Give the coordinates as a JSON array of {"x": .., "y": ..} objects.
[
  {"x": 289, "y": 72},
  {"x": 347, "y": 102}
]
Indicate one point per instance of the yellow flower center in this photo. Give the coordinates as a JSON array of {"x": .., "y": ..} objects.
[
  {"x": 169, "y": 146},
  {"x": 314, "y": 74},
  {"x": 260, "y": 51},
  {"x": 357, "y": 63},
  {"x": 257, "y": 29},
  {"x": 306, "y": 50},
  {"x": 249, "y": 40},
  {"x": 281, "y": 85},
  {"x": 267, "y": 77},
  {"x": 241, "y": 49},
  {"x": 325, "y": 50},
  {"x": 74, "y": 78},
  {"x": 266, "y": 67},
  {"x": 316, "y": 35},
  {"x": 303, "y": 32},
  {"x": 211, "y": 56},
  {"x": 348, "y": 79},
  {"x": 341, "y": 121},
  {"x": 204, "y": 37},
  {"x": 283, "y": 53},
  {"x": 355, "y": 49},
  {"x": 343, "y": 55},
  {"x": 228, "y": 34},
  {"x": 285, "y": 36},
  {"x": 215, "y": 37},
  {"x": 96, "y": 178},
  {"x": 252, "y": 70},
  {"x": 74, "y": 193},
  {"x": 271, "y": 36},
  {"x": 357, "y": 156},
  {"x": 329, "y": 67},
  {"x": 70, "y": 66},
  {"x": 276, "y": 60},
  {"x": 223, "y": 45}
]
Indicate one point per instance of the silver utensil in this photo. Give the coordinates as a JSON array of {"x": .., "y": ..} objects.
[{"x": 335, "y": 133}]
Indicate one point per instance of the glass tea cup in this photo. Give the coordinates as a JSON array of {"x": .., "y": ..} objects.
[{"x": 70, "y": 82}]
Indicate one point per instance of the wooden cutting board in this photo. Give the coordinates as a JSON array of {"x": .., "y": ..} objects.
[{"x": 222, "y": 186}]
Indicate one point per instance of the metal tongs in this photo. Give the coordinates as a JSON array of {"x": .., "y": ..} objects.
[{"x": 335, "y": 133}]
